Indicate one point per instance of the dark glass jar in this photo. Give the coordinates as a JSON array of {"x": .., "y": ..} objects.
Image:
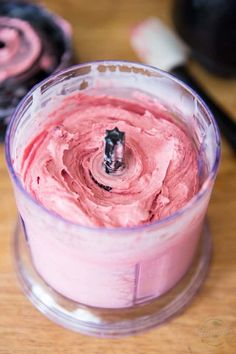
[{"x": 209, "y": 28}]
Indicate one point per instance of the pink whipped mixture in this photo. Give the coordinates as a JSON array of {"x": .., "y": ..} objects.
[
  {"x": 63, "y": 165},
  {"x": 20, "y": 49}
]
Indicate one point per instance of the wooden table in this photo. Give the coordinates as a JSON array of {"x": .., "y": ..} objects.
[{"x": 209, "y": 323}]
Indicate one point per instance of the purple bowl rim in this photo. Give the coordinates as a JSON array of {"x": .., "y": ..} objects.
[
  {"x": 194, "y": 200},
  {"x": 66, "y": 32}
]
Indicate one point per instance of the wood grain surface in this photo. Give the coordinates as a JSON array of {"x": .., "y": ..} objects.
[{"x": 208, "y": 325}]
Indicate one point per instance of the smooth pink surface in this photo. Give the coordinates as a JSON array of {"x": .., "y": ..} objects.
[
  {"x": 87, "y": 273},
  {"x": 160, "y": 176}
]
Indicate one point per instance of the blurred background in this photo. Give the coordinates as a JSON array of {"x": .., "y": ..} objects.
[{"x": 102, "y": 30}]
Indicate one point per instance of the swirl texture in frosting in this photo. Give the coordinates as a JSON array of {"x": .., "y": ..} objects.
[{"x": 63, "y": 166}]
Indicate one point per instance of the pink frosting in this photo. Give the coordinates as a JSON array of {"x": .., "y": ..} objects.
[
  {"x": 21, "y": 47},
  {"x": 102, "y": 268},
  {"x": 62, "y": 162}
]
